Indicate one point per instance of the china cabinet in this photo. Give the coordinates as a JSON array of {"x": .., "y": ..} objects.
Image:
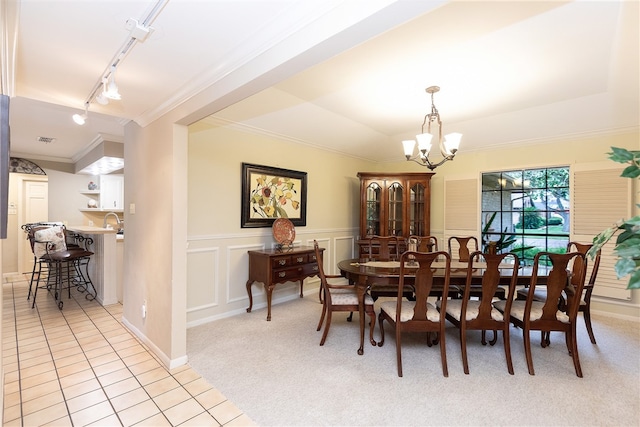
[{"x": 394, "y": 204}]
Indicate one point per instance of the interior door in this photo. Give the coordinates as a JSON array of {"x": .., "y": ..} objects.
[{"x": 34, "y": 208}]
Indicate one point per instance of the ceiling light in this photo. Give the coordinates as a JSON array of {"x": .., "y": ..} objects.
[
  {"x": 81, "y": 118},
  {"x": 448, "y": 147},
  {"x": 111, "y": 91},
  {"x": 102, "y": 98}
]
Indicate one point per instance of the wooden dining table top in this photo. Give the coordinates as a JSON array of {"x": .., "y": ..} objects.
[{"x": 391, "y": 269}]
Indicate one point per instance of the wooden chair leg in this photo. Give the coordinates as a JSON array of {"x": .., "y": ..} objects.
[
  {"x": 574, "y": 350},
  {"x": 326, "y": 328},
  {"x": 527, "y": 350},
  {"x": 463, "y": 350},
  {"x": 372, "y": 324},
  {"x": 380, "y": 322},
  {"x": 443, "y": 353},
  {"x": 324, "y": 311},
  {"x": 506, "y": 340},
  {"x": 586, "y": 314},
  {"x": 399, "y": 351}
]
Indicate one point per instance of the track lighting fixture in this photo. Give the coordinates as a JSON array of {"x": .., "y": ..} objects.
[
  {"x": 106, "y": 88},
  {"x": 111, "y": 90},
  {"x": 102, "y": 98},
  {"x": 81, "y": 118}
]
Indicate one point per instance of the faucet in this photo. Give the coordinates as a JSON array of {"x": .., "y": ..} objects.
[{"x": 104, "y": 224}]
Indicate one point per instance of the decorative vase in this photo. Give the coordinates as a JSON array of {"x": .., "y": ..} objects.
[{"x": 92, "y": 185}]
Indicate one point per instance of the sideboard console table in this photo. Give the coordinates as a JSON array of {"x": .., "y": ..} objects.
[{"x": 275, "y": 266}]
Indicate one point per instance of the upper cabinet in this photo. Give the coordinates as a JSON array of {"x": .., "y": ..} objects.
[
  {"x": 395, "y": 204},
  {"x": 111, "y": 192},
  {"x": 109, "y": 196}
]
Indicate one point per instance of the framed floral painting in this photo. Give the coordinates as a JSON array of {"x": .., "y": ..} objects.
[{"x": 269, "y": 193}]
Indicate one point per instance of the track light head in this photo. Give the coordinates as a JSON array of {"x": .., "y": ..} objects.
[{"x": 82, "y": 118}]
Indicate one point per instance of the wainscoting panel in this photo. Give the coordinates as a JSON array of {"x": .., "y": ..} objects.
[
  {"x": 205, "y": 263},
  {"x": 218, "y": 268}
]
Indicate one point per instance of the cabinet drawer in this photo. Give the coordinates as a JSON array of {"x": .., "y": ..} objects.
[
  {"x": 299, "y": 259},
  {"x": 310, "y": 269},
  {"x": 281, "y": 261},
  {"x": 286, "y": 274}
]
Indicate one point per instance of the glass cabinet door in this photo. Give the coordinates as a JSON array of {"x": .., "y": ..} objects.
[
  {"x": 395, "y": 212},
  {"x": 373, "y": 201},
  {"x": 417, "y": 210}
]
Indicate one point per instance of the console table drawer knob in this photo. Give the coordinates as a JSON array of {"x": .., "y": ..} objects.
[
  {"x": 282, "y": 262},
  {"x": 300, "y": 259},
  {"x": 282, "y": 274}
]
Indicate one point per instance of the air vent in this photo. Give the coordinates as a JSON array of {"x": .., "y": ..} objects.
[{"x": 46, "y": 139}]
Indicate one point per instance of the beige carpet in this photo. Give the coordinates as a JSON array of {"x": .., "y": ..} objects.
[{"x": 278, "y": 375}]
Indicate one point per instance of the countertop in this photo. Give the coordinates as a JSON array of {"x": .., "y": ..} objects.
[{"x": 86, "y": 229}]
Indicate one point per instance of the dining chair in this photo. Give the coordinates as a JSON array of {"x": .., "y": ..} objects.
[
  {"x": 424, "y": 243},
  {"x": 479, "y": 314},
  {"x": 383, "y": 248},
  {"x": 460, "y": 248},
  {"x": 464, "y": 245},
  {"x": 419, "y": 315},
  {"x": 545, "y": 315},
  {"x": 585, "y": 302},
  {"x": 340, "y": 297},
  {"x": 386, "y": 248}
]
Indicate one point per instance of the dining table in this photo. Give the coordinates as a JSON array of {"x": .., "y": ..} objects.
[{"x": 364, "y": 272}]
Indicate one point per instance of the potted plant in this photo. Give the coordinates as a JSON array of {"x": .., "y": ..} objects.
[{"x": 627, "y": 247}]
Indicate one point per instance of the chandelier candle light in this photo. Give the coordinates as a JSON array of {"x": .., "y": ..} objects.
[{"x": 448, "y": 146}]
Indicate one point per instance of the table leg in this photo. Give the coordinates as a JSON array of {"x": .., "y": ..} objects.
[
  {"x": 301, "y": 283},
  {"x": 269, "y": 293},
  {"x": 249, "y": 283},
  {"x": 361, "y": 288}
]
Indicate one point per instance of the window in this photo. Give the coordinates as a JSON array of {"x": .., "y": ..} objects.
[{"x": 526, "y": 211}]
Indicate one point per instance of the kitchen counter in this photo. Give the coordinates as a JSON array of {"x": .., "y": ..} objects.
[
  {"x": 90, "y": 229},
  {"x": 103, "y": 264}
]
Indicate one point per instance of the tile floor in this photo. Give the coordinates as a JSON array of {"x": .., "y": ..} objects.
[{"x": 80, "y": 366}]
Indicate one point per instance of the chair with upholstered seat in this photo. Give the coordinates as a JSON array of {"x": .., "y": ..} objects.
[
  {"x": 340, "y": 297},
  {"x": 460, "y": 248},
  {"x": 585, "y": 302},
  {"x": 545, "y": 315},
  {"x": 480, "y": 314},
  {"x": 382, "y": 249},
  {"x": 424, "y": 243},
  {"x": 62, "y": 266},
  {"x": 419, "y": 315}
]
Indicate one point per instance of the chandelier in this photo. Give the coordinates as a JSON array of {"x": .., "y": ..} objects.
[{"x": 448, "y": 146}]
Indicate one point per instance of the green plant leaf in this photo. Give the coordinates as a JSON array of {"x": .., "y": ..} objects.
[
  {"x": 624, "y": 266},
  {"x": 634, "y": 282},
  {"x": 631, "y": 172}
]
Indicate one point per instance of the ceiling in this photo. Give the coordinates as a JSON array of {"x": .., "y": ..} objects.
[{"x": 349, "y": 76}]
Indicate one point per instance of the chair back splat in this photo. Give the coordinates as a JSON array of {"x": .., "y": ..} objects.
[
  {"x": 466, "y": 245},
  {"x": 423, "y": 243},
  {"x": 419, "y": 315}
]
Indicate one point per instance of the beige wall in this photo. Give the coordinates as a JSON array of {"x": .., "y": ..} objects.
[
  {"x": 217, "y": 260},
  {"x": 217, "y": 245},
  {"x": 154, "y": 251}
]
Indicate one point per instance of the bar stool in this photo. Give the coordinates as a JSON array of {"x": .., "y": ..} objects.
[{"x": 63, "y": 265}]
